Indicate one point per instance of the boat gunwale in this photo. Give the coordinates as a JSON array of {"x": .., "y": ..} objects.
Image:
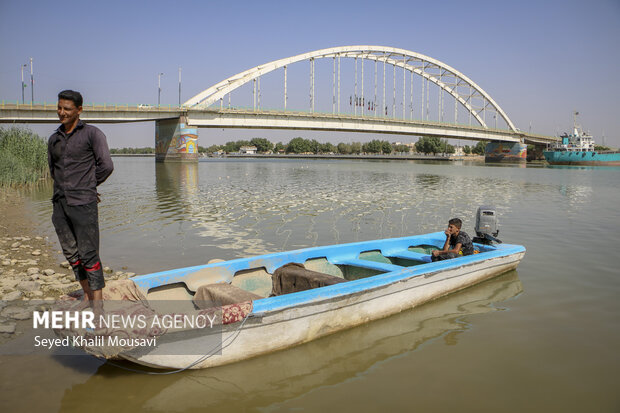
[
  {"x": 319, "y": 308},
  {"x": 273, "y": 260},
  {"x": 364, "y": 291},
  {"x": 272, "y": 304}
]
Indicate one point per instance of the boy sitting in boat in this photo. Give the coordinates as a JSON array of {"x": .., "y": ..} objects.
[{"x": 456, "y": 241}]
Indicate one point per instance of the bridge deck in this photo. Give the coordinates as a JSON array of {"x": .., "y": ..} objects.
[{"x": 250, "y": 119}]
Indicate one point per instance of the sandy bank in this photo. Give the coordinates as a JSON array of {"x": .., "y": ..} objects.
[{"x": 30, "y": 267}]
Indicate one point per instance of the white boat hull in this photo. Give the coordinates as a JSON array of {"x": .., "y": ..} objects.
[{"x": 277, "y": 329}]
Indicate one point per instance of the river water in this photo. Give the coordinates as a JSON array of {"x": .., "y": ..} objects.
[{"x": 542, "y": 338}]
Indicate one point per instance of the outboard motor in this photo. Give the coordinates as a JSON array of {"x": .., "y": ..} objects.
[{"x": 487, "y": 227}]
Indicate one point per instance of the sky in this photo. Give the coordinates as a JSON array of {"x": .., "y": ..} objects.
[{"x": 539, "y": 60}]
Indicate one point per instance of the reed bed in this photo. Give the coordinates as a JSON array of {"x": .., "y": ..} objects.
[{"x": 23, "y": 157}]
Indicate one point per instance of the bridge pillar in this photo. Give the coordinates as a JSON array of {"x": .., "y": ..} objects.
[
  {"x": 497, "y": 151},
  {"x": 175, "y": 141}
]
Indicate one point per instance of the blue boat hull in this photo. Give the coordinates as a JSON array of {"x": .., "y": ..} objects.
[{"x": 587, "y": 158}]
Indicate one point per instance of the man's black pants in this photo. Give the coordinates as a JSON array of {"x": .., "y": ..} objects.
[
  {"x": 77, "y": 227},
  {"x": 448, "y": 256}
]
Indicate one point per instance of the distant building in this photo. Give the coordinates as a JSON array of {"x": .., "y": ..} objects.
[
  {"x": 249, "y": 150},
  {"x": 410, "y": 145}
]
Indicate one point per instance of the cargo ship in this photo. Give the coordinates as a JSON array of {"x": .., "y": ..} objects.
[{"x": 578, "y": 149}]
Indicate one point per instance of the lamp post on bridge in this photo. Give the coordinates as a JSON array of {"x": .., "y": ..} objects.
[
  {"x": 179, "y": 86},
  {"x": 159, "y": 88},
  {"x": 31, "y": 83},
  {"x": 22, "y": 67}
]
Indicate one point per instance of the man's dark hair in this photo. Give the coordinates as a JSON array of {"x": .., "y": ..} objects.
[
  {"x": 71, "y": 95},
  {"x": 456, "y": 222}
]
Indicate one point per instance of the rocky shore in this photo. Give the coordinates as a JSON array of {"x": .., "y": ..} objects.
[{"x": 32, "y": 272}]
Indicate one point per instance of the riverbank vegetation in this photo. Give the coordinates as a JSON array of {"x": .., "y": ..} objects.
[
  {"x": 425, "y": 145},
  {"x": 132, "y": 151},
  {"x": 300, "y": 145},
  {"x": 23, "y": 157}
]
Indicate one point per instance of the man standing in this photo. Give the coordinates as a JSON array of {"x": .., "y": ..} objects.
[{"x": 79, "y": 161}]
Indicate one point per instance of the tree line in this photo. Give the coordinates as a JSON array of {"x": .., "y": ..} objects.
[
  {"x": 132, "y": 151},
  {"x": 300, "y": 145}
]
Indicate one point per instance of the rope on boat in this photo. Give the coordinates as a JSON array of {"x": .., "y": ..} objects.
[{"x": 221, "y": 346}]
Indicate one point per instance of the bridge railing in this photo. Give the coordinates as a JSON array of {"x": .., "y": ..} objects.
[
  {"x": 4, "y": 104},
  {"x": 8, "y": 104},
  {"x": 327, "y": 114}
]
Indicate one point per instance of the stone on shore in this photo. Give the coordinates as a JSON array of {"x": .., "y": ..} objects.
[
  {"x": 28, "y": 286},
  {"x": 48, "y": 272},
  {"x": 7, "y": 328},
  {"x": 17, "y": 313},
  {"x": 15, "y": 295},
  {"x": 32, "y": 270},
  {"x": 65, "y": 288},
  {"x": 9, "y": 283}
]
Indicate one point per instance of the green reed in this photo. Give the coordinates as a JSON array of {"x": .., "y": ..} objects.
[{"x": 23, "y": 157}]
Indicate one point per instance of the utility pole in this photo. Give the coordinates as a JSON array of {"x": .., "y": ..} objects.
[
  {"x": 179, "y": 86},
  {"x": 22, "y": 67},
  {"x": 159, "y": 88},
  {"x": 31, "y": 83}
]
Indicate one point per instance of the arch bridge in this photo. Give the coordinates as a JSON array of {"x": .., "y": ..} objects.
[
  {"x": 388, "y": 90},
  {"x": 371, "y": 89}
]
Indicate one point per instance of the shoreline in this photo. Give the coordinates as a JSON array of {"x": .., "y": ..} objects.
[
  {"x": 338, "y": 156},
  {"x": 31, "y": 269},
  {"x": 473, "y": 158},
  {"x": 321, "y": 156}
]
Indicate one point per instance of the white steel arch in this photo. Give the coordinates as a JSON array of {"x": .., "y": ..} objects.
[{"x": 378, "y": 53}]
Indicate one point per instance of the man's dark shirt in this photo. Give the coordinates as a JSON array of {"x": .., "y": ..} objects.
[
  {"x": 466, "y": 245},
  {"x": 78, "y": 163}
]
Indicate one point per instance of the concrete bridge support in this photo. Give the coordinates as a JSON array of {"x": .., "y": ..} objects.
[
  {"x": 497, "y": 151},
  {"x": 175, "y": 141}
]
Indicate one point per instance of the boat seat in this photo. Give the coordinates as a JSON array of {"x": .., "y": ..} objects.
[
  {"x": 294, "y": 277},
  {"x": 373, "y": 265},
  {"x": 215, "y": 295},
  {"x": 411, "y": 255}
]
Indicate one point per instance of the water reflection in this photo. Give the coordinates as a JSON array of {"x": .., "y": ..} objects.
[
  {"x": 280, "y": 376},
  {"x": 428, "y": 181},
  {"x": 576, "y": 195},
  {"x": 190, "y": 213},
  {"x": 176, "y": 186}
]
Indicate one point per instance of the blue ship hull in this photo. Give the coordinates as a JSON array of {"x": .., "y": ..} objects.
[{"x": 588, "y": 158}]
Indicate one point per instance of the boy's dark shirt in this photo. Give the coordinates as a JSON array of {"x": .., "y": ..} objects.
[
  {"x": 78, "y": 162},
  {"x": 466, "y": 245}
]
